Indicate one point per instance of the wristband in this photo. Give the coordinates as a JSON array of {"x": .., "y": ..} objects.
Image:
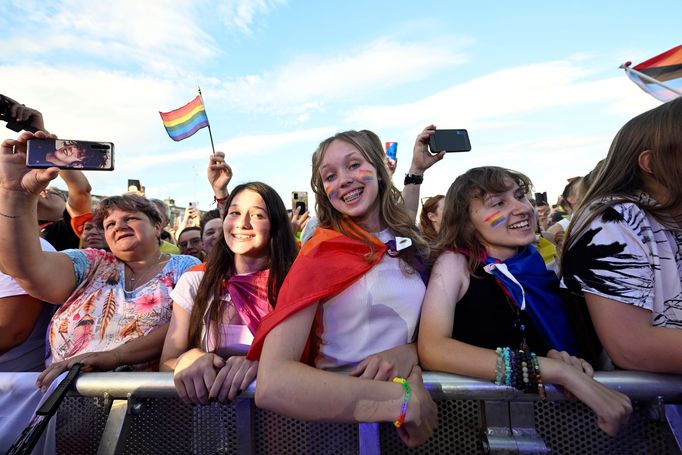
[
  {"x": 413, "y": 179},
  {"x": 403, "y": 410},
  {"x": 219, "y": 200}
]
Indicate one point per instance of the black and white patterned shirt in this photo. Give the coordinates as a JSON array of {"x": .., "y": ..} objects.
[{"x": 628, "y": 256}]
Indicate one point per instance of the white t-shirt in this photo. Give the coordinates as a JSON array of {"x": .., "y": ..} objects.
[
  {"x": 627, "y": 256},
  {"x": 379, "y": 311},
  {"x": 31, "y": 354}
]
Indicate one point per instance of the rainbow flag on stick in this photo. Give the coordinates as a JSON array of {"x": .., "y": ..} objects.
[
  {"x": 185, "y": 121},
  {"x": 660, "y": 76}
]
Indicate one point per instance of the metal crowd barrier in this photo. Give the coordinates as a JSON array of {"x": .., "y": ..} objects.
[{"x": 139, "y": 413}]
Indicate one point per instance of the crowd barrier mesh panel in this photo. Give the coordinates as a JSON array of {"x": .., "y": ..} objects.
[
  {"x": 458, "y": 432},
  {"x": 570, "y": 428},
  {"x": 80, "y": 423},
  {"x": 275, "y": 434},
  {"x": 168, "y": 426},
  {"x": 163, "y": 427}
]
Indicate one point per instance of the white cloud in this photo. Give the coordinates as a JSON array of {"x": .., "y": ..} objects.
[
  {"x": 242, "y": 146},
  {"x": 311, "y": 82},
  {"x": 502, "y": 94},
  {"x": 240, "y": 14},
  {"x": 154, "y": 35}
]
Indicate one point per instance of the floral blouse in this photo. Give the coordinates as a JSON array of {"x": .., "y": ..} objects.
[{"x": 101, "y": 315}]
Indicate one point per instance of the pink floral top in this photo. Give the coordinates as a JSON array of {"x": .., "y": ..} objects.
[{"x": 101, "y": 315}]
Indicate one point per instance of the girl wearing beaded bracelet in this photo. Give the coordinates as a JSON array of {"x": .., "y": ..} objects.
[{"x": 489, "y": 277}]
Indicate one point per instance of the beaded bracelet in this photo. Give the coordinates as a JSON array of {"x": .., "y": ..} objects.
[
  {"x": 403, "y": 410},
  {"x": 536, "y": 365},
  {"x": 498, "y": 366},
  {"x": 507, "y": 367}
]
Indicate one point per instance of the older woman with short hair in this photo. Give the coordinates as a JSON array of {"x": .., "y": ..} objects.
[{"x": 114, "y": 306}]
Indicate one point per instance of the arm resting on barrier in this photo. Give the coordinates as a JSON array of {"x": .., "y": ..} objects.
[
  {"x": 440, "y": 352},
  {"x": 143, "y": 349},
  {"x": 289, "y": 387},
  {"x": 645, "y": 347}
]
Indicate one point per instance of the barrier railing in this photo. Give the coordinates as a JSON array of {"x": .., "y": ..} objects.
[{"x": 140, "y": 413}]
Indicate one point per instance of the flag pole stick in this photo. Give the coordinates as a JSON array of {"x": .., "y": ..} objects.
[
  {"x": 210, "y": 134},
  {"x": 626, "y": 67}
]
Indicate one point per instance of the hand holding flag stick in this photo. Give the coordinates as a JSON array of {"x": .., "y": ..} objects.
[{"x": 183, "y": 122}]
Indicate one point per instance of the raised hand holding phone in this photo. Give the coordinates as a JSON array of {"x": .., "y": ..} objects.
[{"x": 14, "y": 175}]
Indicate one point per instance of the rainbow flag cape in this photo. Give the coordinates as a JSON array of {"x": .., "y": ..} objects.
[
  {"x": 327, "y": 264},
  {"x": 185, "y": 121},
  {"x": 665, "y": 68}
]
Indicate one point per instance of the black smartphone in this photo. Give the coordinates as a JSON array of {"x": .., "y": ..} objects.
[
  {"x": 450, "y": 141},
  {"x": 299, "y": 199},
  {"x": 6, "y": 116},
  {"x": 68, "y": 154},
  {"x": 541, "y": 199}
]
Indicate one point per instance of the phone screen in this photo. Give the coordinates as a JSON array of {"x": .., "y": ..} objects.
[
  {"x": 70, "y": 154},
  {"x": 449, "y": 141}
]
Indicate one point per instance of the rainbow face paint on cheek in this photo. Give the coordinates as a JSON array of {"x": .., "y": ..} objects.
[
  {"x": 495, "y": 219},
  {"x": 366, "y": 175},
  {"x": 331, "y": 194}
]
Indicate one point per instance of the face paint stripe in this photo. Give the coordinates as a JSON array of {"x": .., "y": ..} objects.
[
  {"x": 497, "y": 221},
  {"x": 491, "y": 216}
]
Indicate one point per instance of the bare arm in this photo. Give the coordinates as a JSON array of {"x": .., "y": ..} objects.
[
  {"x": 219, "y": 174},
  {"x": 44, "y": 275},
  {"x": 422, "y": 159},
  {"x": 292, "y": 388},
  {"x": 79, "y": 200},
  {"x": 18, "y": 316},
  {"x": 143, "y": 349},
  {"x": 176, "y": 342},
  {"x": 645, "y": 347}
]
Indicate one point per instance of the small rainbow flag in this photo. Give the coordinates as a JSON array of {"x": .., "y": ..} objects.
[
  {"x": 185, "y": 121},
  {"x": 660, "y": 76}
]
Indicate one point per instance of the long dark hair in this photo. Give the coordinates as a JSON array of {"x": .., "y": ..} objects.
[
  {"x": 282, "y": 251},
  {"x": 456, "y": 229}
]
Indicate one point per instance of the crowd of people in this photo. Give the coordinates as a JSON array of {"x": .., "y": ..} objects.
[{"x": 337, "y": 315}]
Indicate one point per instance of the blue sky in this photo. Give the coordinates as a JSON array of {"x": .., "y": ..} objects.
[{"x": 536, "y": 84}]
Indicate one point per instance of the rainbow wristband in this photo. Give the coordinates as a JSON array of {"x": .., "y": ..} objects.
[{"x": 403, "y": 410}]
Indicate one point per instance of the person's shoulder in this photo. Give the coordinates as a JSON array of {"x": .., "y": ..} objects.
[{"x": 451, "y": 258}]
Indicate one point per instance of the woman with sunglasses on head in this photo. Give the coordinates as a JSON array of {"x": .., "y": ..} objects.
[
  {"x": 218, "y": 305},
  {"x": 491, "y": 303},
  {"x": 350, "y": 303}
]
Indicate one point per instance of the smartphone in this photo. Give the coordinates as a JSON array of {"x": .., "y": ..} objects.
[
  {"x": 392, "y": 150},
  {"x": 193, "y": 205},
  {"x": 450, "y": 141},
  {"x": 299, "y": 199},
  {"x": 541, "y": 199},
  {"x": 70, "y": 154}
]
